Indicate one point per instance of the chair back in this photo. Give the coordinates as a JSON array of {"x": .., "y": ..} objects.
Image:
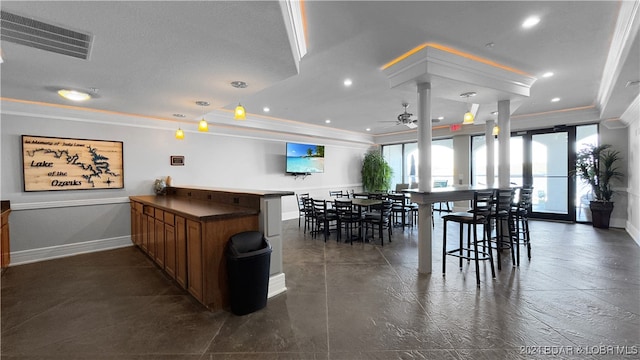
[
  {"x": 483, "y": 203},
  {"x": 337, "y": 194},
  {"x": 503, "y": 201},
  {"x": 524, "y": 200},
  {"x": 400, "y": 187},
  {"x": 300, "y": 198},
  {"x": 344, "y": 209},
  {"x": 319, "y": 207}
]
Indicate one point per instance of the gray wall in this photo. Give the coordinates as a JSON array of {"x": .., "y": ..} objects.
[{"x": 45, "y": 221}]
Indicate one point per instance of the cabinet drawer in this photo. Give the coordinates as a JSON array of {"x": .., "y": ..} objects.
[
  {"x": 137, "y": 206},
  {"x": 168, "y": 218},
  {"x": 148, "y": 210},
  {"x": 159, "y": 215}
]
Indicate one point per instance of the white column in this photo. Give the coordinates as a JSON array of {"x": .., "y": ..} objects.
[
  {"x": 504, "y": 156},
  {"x": 491, "y": 151},
  {"x": 424, "y": 173}
]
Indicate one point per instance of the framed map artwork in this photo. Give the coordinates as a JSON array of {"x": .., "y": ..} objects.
[{"x": 51, "y": 163}]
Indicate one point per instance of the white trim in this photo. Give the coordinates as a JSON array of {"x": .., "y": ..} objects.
[
  {"x": 632, "y": 113},
  {"x": 60, "y": 251},
  {"x": 276, "y": 285},
  {"x": 621, "y": 43},
  {"x": 68, "y": 203},
  {"x": 633, "y": 232}
]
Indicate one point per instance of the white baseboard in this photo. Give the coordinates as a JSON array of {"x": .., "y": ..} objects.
[
  {"x": 60, "y": 251},
  {"x": 633, "y": 232},
  {"x": 276, "y": 285}
]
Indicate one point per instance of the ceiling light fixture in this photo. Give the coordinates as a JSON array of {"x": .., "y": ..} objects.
[
  {"x": 179, "y": 134},
  {"x": 266, "y": 109},
  {"x": 74, "y": 95},
  {"x": 240, "y": 113},
  {"x": 547, "y": 74},
  {"x": 328, "y": 121},
  {"x": 347, "y": 82},
  {"x": 496, "y": 131},
  {"x": 468, "y": 116},
  {"x": 530, "y": 22},
  {"x": 202, "y": 125},
  {"x": 555, "y": 99},
  {"x": 368, "y": 129}
]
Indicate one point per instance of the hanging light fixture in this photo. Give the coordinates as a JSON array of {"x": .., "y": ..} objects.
[
  {"x": 179, "y": 134},
  {"x": 496, "y": 131},
  {"x": 203, "y": 126},
  {"x": 239, "y": 113},
  {"x": 468, "y": 116}
]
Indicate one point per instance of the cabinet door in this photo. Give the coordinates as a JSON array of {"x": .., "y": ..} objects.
[
  {"x": 194, "y": 254},
  {"x": 151, "y": 236},
  {"x": 134, "y": 226},
  {"x": 144, "y": 235},
  {"x": 170, "y": 250},
  {"x": 159, "y": 239},
  {"x": 4, "y": 242},
  {"x": 181, "y": 251}
]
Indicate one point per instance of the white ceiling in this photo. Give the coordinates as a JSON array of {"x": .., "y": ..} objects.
[{"x": 157, "y": 59}]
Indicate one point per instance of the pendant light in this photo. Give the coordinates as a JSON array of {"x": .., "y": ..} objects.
[
  {"x": 239, "y": 113},
  {"x": 468, "y": 116},
  {"x": 203, "y": 126},
  {"x": 179, "y": 134},
  {"x": 496, "y": 131}
]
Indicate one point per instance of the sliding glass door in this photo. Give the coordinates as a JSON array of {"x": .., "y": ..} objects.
[{"x": 550, "y": 174}]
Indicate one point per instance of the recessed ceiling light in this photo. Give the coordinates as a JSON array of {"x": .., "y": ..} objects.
[
  {"x": 530, "y": 22},
  {"x": 266, "y": 109},
  {"x": 328, "y": 121},
  {"x": 440, "y": 117},
  {"x": 555, "y": 99},
  {"x": 547, "y": 74},
  {"x": 347, "y": 82},
  {"x": 494, "y": 113},
  {"x": 179, "y": 115},
  {"x": 368, "y": 129},
  {"x": 74, "y": 95}
]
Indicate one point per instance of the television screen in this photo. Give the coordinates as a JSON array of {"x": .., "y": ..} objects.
[{"x": 305, "y": 158}]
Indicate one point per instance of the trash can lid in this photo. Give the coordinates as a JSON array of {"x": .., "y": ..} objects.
[{"x": 247, "y": 241}]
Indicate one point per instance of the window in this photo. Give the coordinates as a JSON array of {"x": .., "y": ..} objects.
[{"x": 404, "y": 159}]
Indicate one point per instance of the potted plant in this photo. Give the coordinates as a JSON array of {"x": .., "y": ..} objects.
[
  {"x": 598, "y": 167},
  {"x": 376, "y": 172}
]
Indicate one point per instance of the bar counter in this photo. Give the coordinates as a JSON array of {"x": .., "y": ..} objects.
[{"x": 194, "y": 209}]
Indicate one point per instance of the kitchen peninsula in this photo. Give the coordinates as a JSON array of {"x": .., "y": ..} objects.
[{"x": 186, "y": 230}]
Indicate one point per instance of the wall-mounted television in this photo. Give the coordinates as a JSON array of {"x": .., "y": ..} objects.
[{"x": 305, "y": 158}]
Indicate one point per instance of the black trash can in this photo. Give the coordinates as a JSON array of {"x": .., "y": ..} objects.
[{"x": 248, "y": 259}]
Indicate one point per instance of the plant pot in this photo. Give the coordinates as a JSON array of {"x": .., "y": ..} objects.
[{"x": 601, "y": 213}]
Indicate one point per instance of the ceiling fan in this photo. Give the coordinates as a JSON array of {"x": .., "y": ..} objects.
[{"x": 405, "y": 118}]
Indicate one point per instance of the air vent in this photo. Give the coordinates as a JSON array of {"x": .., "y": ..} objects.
[{"x": 37, "y": 34}]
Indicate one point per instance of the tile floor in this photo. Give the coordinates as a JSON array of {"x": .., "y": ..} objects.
[{"x": 577, "y": 298}]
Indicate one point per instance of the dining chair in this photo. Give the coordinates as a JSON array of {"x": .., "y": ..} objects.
[
  {"x": 401, "y": 210},
  {"x": 337, "y": 194},
  {"x": 380, "y": 216},
  {"x": 309, "y": 219},
  {"x": 301, "y": 210},
  {"x": 479, "y": 214},
  {"x": 348, "y": 218},
  {"x": 322, "y": 217},
  {"x": 521, "y": 221}
]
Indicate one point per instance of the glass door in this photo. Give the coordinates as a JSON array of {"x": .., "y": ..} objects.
[{"x": 550, "y": 172}]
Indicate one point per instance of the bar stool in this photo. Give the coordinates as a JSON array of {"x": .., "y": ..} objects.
[
  {"x": 503, "y": 217},
  {"x": 521, "y": 222},
  {"x": 479, "y": 214}
]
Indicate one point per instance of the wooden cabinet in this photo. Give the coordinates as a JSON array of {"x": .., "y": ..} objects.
[
  {"x": 181, "y": 251},
  {"x": 169, "y": 245},
  {"x": 186, "y": 238},
  {"x": 4, "y": 236},
  {"x": 194, "y": 254}
]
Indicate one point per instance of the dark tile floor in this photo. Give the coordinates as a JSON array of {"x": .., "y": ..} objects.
[{"x": 577, "y": 298}]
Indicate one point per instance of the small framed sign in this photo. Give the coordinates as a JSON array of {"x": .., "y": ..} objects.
[{"x": 177, "y": 160}]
